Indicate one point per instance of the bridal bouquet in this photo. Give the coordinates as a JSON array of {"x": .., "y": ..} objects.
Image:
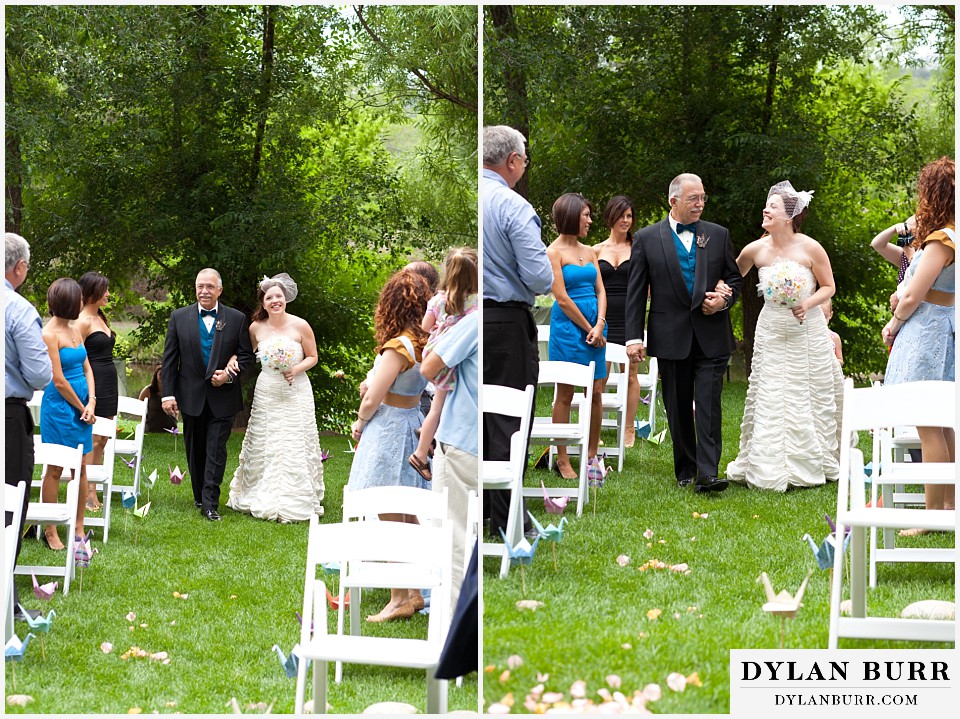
[
  {"x": 785, "y": 283},
  {"x": 277, "y": 353}
]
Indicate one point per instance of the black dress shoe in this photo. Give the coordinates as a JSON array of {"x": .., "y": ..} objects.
[
  {"x": 684, "y": 481},
  {"x": 198, "y": 504},
  {"x": 710, "y": 484},
  {"x": 211, "y": 514},
  {"x": 22, "y": 612}
]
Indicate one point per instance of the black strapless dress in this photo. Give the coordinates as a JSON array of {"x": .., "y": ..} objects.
[
  {"x": 615, "y": 285},
  {"x": 100, "y": 353}
]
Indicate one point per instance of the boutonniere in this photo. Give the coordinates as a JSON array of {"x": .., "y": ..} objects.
[
  {"x": 702, "y": 241},
  {"x": 221, "y": 324}
]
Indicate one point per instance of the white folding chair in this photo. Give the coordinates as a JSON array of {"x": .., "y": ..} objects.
[
  {"x": 101, "y": 475},
  {"x": 648, "y": 384},
  {"x": 13, "y": 503},
  {"x": 133, "y": 447},
  {"x": 40, "y": 513},
  {"x": 364, "y": 506},
  {"x": 415, "y": 556},
  {"x": 921, "y": 404},
  {"x": 614, "y": 402},
  {"x": 507, "y": 475},
  {"x": 545, "y": 431},
  {"x": 34, "y": 405}
]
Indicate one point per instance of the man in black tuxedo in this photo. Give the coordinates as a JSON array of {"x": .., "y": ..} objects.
[
  {"x": 206, "y": 350},
  {"x": 680, "y": 260}
]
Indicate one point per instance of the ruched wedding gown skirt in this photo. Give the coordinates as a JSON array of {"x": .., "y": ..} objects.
[
  {"x": 791, "y": 419},
  {"x": 280, "y": 475}
]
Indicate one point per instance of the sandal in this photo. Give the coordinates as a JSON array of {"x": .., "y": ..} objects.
[
  {"x": 572, "y": 472},
  {"x": 423, "y": 468},
  {"x": 46, "y": 540},
  {"x": 433, "y": 442}
]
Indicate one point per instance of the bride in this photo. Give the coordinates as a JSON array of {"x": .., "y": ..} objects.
[
  {"x": 791, "y": 418},
  {"x": 280, "y": 475}
]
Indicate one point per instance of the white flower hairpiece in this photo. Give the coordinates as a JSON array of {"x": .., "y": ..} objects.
[
  {"x": 284, "y": 282},
  {"x": 794, "y": 201}
]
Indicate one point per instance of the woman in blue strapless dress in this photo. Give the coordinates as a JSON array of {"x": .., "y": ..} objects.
[
  {"x": 389, "y": 413},
  {"x": 69, "y": 401},
  {"x": 578, "y": 318}
]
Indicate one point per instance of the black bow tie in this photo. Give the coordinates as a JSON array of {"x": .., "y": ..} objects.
[
  {"x": 208, "y": 313},
  {"x": 686, "y": 228}
]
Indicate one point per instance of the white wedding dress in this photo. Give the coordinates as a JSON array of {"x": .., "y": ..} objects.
[
  {"x": 280, "y": 475},
  {"x": 789, "y": 436}
]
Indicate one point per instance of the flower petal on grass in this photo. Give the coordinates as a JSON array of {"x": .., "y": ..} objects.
[
  {"x": 682, "y": 567},
  {"x": 130, "y": 616},
  {"x": 613, "y": 681},
  {"x": 623, "y": 560},
  {"x": 504, "y": 675},
  {"x": 652, "y": 614},
  {"x": 694, "y": 680},
  {"x": 514, "y": 661},
  {"x": 537, "y": 691},
  {"x": 652, "y": 692},
  {"x": 604, "y": 694},
  {"x": 19, "y": 700},
  {"x": 106, "y": 647},
  {"x": 507, "y": 700},
  {"x": 626, "y": 646},
  {"x": 134, "y": 710},
  {"x": 677, "y": 682},
  {"x": 578, "y": 690},
  {"x": 648, "y": 534},
  {"x": 542, "y": 677},
  {"x": 498, "y": 708},
  {"x": 552, "y": 697},
  {"x": 531, "y": 604}
]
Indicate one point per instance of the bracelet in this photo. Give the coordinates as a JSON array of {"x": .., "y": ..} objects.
[
  {"x": 602, "y": 319},
  {"x": 898, "y": 319},
  {"x": 361, "y": 418}
]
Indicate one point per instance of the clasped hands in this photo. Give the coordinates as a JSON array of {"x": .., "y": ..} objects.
[
  {"x": 716, "y": 301},
  {"x": 225, "y": 376},
  {"x": 595, "y": 336}
]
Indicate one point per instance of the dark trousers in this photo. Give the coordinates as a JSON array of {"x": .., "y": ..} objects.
[
  {"x": 510, "y": 359},
  {"x": 696, "y": 435},
  {"x": 205, "y": 438},
  {"x": 18, "y": 462}
]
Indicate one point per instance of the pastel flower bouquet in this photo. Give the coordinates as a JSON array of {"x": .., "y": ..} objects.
[
  {"x": 785, "y": 283},
  {"x": 277, "y": 353}
]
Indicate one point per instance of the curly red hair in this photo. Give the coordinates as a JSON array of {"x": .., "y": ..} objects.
[
  {"x": 400, "y": 309},
  {"x": 936, "y": 195}
]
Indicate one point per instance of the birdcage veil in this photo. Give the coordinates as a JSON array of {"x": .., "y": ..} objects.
[
  {"x": 284, "y": 282},
  {"x": 794, "y": 201}
]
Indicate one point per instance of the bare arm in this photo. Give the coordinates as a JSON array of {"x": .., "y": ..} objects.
[
  {"x": 824, "y": 275},
  {"x": 559, "y": 290},
  {"x": 595, "y": 336},
  {"x": 309, "y": 343},
  {"x": 881, "y": 243},
  {"x": 59, "y": 381},
  {"x": 88, "y": 413},
  {"x": 391, "y": 364},
  {"x": 936, "y": 256}
]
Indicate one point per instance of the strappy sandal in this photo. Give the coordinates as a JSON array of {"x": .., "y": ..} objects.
[
  {"x": 423, "y": 468},
  {"x": 433, "y": 443}
]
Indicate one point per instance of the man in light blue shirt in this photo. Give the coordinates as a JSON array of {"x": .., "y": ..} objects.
[
  {"x": 455, "y": 463},
  {"x": 515, "y": 270},
  {"x": 26, "y": 369}
]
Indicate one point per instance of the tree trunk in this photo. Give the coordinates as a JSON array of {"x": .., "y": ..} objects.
[
  {"x": 516, "y": 84},
  {"x": 263, "y": 96},
  {"x": 13, "y": 217}
]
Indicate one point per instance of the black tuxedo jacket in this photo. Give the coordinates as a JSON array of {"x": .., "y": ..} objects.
[
  {"x": 184, "y": 374},
  {"x": 676, "y": 317}
]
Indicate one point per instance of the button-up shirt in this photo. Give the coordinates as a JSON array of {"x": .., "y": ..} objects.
[
  {"x": 515, "y": 264},
  {"x": 457, "y": 347},
  {"x": 26, "y": 362}
]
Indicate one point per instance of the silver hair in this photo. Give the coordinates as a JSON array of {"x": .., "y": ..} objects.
[
  {"x": 16, "y": 249},
  {"x": 678, "y": 181},
  {"x": 498, "y": 142},
  {"x": 213, "y": 271},
  {"x": 284, "y": 282}
]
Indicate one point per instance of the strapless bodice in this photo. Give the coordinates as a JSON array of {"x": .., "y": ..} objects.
[
  {"x": 580, "y": 281},
  {"x": 71, "y": 362}
]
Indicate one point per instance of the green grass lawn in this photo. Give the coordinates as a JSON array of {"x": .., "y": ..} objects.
[
  {"x": 594, "y": 621},
  {"x": 243, "y": 578}
]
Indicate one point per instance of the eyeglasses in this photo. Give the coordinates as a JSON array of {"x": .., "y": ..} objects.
[
  {"x": 526, "y": 160},
  {"x": 693, "y": 198}
]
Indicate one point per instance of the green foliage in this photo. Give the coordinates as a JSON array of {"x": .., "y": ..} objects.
[{"x": 620, "y": 99}]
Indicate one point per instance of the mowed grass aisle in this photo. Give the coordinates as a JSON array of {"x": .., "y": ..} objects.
[
  {"x": 243, "y": 581},
  {"x": 600, "y": 618}
]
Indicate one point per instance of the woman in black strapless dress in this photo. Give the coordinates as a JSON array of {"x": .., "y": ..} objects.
[
  {"x": 99, "y": 340},
  {"x": 614, "y": 261}
]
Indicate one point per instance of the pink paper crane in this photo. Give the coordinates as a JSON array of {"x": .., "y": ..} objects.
[
  {"x": 176, "y": 476},
  {"x": 554, "y": 505},
  {"x": 334, "y": 602},
  {"x": 324, "y": 455},
  {"x": 175, "y": 431},
  {"x": 43, "y": 591}
]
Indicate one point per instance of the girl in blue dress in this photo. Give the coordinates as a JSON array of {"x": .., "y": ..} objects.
[
  {"x": 69, "y": 401},
  {"x": 578, "y": 318},
  {"x": 922, "y": 327}
]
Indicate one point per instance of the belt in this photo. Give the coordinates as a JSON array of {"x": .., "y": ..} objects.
[
  {"x": 17, "y": 400},
  {"x": 938, "y": 297},
  {"x": 515, "y": 304}
]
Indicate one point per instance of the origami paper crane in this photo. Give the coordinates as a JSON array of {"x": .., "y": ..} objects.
[
  {"x": 597, "y": 473},
  {"x": 833, "y": 527},
  {"x": 128, "y": 500},
  {"x": 331, "y": 567},
  {"x": 82, "y": 551},
  {"x": 131, "y": 463},
  {"x": 324, "y": 455},
  {"x": 175, "y": 432},
  {"x": 825, "y": 552},
  {"x": 300, "y": 620},
  {"x": 42, "y": 624},
  {"x": 141, "y": 512},
  {"x": 43, "y": 591},
  {"x": 14, "y": 648},
  {"x": 176, "y": 476},
  {"x": 782, "y": 604},
  {"x": 551, "y": 533},
  {"x": 151, "y": 479},
  {"x": 656, "y": 439},
  {"x": 334, "y": 601},
  {"x": 523, "y": 552},
  {"x": 353, "y": 448},
  {"x": 554, "y": 505},
  {"x": 289, "y": 663},
  {"x": 642, "y": 428}
]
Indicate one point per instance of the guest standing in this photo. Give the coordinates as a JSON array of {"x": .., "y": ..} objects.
[
  {"x": 389, "y": 413},
  {"x": 157, "y": 419},
  {"x": 206, "y": 349},
  {"x": 578, "y": 318},
  {"x": 99, "y": 340},
  {"x": 69, "y": 401},
  {"x": 27, "y": 369},
  {"x": 614, "y": 261},
  {"x": 515, "y": 270},
  {"x": 280, "y": 473},
  {"x": 923, "y": 322}
]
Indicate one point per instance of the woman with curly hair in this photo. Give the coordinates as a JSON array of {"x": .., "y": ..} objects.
[
  {"x": 923, "y": 323},
  {"x": 389, "y": 413}
]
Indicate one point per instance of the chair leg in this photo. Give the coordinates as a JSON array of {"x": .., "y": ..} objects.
[
  {"x": 341, "y": 614},
  {"x": 107, "y": 495},
  {"x": 319, "y": 687},
  {"x": 301, "y": 686},
  {"x": 436, "y": 693}
]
